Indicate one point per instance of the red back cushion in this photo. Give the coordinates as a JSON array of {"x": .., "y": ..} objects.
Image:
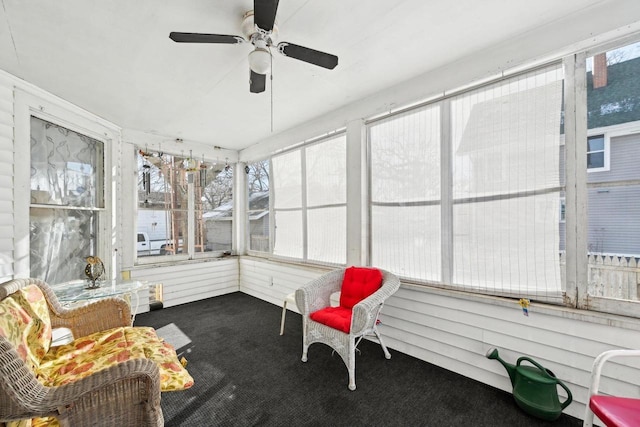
[{"x": 359, "y": 283}]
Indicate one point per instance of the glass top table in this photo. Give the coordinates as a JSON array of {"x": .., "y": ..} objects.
[{"x": 77, "y": 290}]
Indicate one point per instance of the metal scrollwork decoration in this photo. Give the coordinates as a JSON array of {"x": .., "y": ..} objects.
[{"x": 93, "y": 270}]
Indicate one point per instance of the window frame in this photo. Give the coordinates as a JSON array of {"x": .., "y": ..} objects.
[
  {"x": 191, "y": 253},
  {"x": 301, "y": 149},
  {"x": 47, "y": 107},
  {"x": 447, "y": 200},
  {"x": 247, "y": 219}
]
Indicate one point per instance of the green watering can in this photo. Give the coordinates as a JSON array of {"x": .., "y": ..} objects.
[{"x": 534, "y": 387}]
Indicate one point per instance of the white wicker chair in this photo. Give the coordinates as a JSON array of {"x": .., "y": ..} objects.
[{"x": 316, "y": 295}]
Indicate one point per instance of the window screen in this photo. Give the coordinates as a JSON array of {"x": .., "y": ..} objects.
[
  {"x": 405, "y": 194},
  {"x": 506, "y": 185}
]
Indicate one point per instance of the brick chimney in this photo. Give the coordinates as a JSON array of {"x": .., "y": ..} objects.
[{"x": 599, "y": 70}]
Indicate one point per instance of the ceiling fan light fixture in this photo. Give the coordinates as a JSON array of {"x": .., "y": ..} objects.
[{"x": 260, "y": 61}]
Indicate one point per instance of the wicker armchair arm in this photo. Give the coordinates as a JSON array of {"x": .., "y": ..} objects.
[
  {"x": 316, "y": 294},
  {"x": 94, "y": 317},
  {"x": 84, "y": 320},
  {"x": 365, "y": 313}
]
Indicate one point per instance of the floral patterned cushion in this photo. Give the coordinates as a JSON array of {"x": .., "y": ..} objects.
[
  {"x": 86, "y": 355},
  {"x": 32, "y": 299},
  {"x": 15, "y": 327}
]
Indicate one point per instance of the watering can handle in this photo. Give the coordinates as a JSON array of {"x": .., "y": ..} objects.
[
  {"x": 536, "y": 364},
  {"x": 539, "y": 366},
  {"x": 569, "y": 395}
]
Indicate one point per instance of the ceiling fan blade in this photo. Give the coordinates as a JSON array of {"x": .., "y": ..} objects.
[
  {"x": 306, "y": 54},
  {"x": 205, "y": 38},
  {"x": 257, "y": 82},
  {"x": 264, "y": 13}
]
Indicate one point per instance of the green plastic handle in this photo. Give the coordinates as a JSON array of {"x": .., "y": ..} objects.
[
  {"x": 546, "y": 372},
  {"x": 569, "y": 395},
  {"x": 537, "y": 365}
]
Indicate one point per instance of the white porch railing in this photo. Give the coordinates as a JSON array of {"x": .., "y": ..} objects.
[
  {"x": 611, "y": 276},
  {"x": 614, "y": 276}
]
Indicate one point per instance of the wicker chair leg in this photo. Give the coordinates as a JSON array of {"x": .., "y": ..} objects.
[
  {"x": 387, "y": 355},
  {"x": 351, "y": 367}
]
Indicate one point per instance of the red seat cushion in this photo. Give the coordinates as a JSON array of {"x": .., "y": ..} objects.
[
  {"x": 335, "y": 317},
  {"x": 616, "y": 411},
  {"x": 357, "y": 284}
]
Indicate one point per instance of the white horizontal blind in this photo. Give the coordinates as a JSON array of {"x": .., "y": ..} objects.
[
  {"x": 405, "y": 194},
  {"x": 506, "y": 185}
]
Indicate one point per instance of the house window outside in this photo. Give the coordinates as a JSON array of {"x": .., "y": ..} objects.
[
  {"x": 596, "y": 153},
  {"x": 67, "y": 173},
  {"x": 185, "y": 207}
]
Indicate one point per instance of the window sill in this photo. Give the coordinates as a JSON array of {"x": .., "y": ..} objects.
[
  {"x": 594, "y": 317},
  {"x": 173, "y": 261}
]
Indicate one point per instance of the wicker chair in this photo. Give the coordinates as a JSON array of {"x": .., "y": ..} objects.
[
  {"x": 127, "y": 394},
  {"x": 364, "y": 317}
]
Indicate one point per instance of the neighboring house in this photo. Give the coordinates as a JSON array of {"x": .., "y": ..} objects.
[
  {"x": 613, "y": 102},
  {"x": 259, "y": 221},
  {"x": 218, "y": 224}
]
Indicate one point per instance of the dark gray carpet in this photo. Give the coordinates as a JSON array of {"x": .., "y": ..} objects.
[{"x": 246, "y": 374}]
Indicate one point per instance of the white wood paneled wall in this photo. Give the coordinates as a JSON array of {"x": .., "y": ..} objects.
[
  {"x": 6, "y": 180},
  {"x": 188, "y": 282},
  {"x": 454, "y": 330},
  {"x": 273, "y": 281}
]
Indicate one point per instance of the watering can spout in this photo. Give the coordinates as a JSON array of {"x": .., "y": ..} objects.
[{"x": 492, "y": 353}]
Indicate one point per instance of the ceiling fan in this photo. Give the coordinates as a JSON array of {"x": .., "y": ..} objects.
[{"x": 259, "y": 29}]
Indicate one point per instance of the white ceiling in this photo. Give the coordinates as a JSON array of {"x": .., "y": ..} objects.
[{"x": 114, "y": 57}]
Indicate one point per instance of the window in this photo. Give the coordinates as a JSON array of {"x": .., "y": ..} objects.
[
  {"x": 405, "y": 194},
  {"x": 596, "y": 153},
  {"x": 306, "y": 187},
  {"x": 185, "y": 206},
  {"x": 497, "y": 214},
  {"x": 326, "y": 194},
  {"x": 66, "y": 200},
  {"x": 258, "y": 211},
  {"x": 504, "y": 226},
  {"x": 613, "y": 237}
]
